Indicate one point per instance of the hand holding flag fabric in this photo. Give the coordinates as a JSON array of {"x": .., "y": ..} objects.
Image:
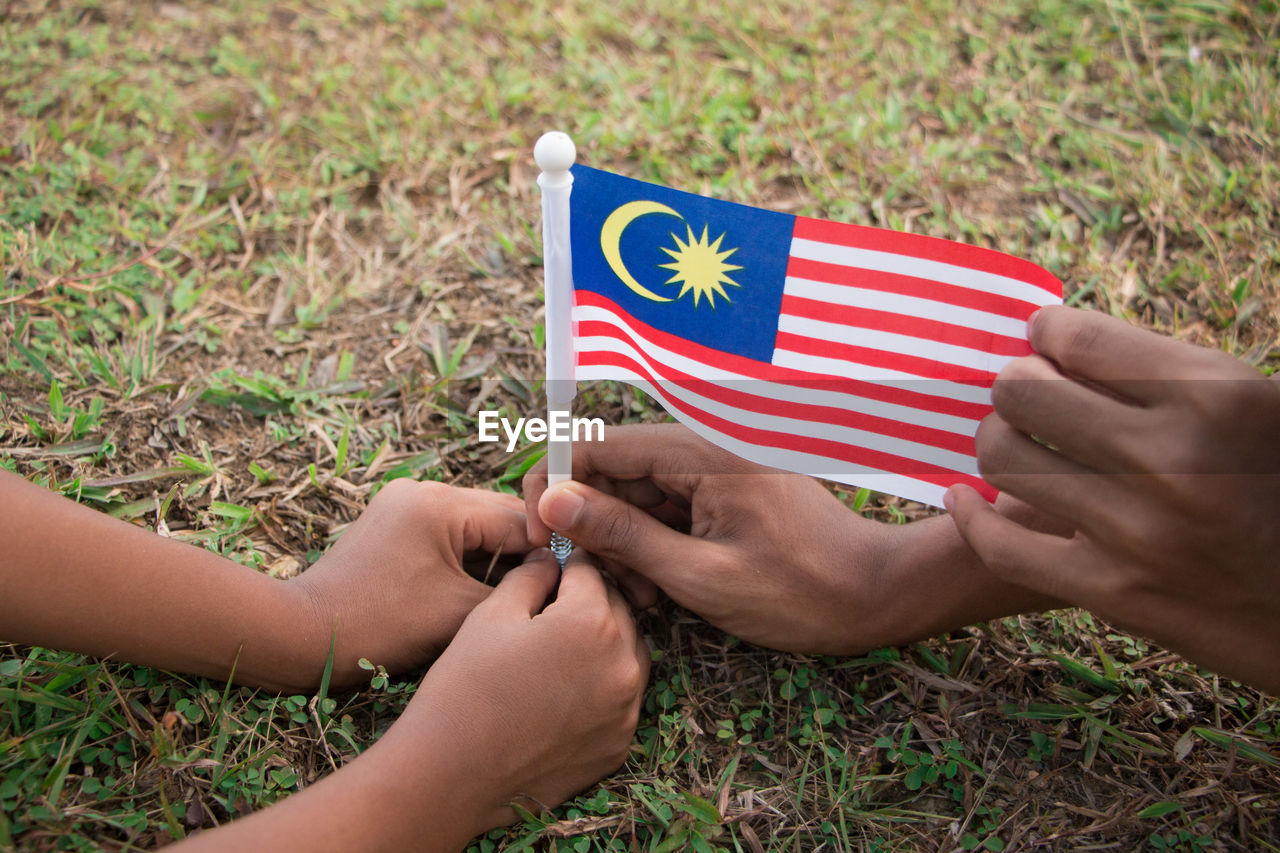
[{"x": 1164, "y": 457}]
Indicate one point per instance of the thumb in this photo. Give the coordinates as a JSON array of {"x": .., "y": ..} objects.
[
  {"x": 615, "y": 530},
  {"x": 978, "y": 524},
  {"x": 1012, "y": 552}
]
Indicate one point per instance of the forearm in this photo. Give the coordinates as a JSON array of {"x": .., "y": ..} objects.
[
  {"x": 79, "y": 580},
  {"x": 415, "y": 789}
]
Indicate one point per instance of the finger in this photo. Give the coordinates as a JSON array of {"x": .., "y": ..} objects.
[
  {"x": 1119, "y": 356},
  {"x": 525, "y": 589},
  {"x": 644, "y": 657},
  {"x": 1031, "y": 518},
  {"x": 1038, "y": 561},
  {"x": 642, "y": 592},
  {"x": 1092, "y": 428},
  {"x": 581, "y": 583},
  {"x": 642, "y": 493},
  {"x": 615, "y": 530},
  {"x": 669, "y": 455},
  {"x": 484, "y": 524},
  {"x": 622, "y": 615},
  {"x": 1031, "y": 472},
  {"x": 501, "y": 499}
]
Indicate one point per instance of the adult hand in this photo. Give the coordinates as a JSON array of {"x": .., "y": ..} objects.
[
  {"x": 393, "y": 586},
  {"x": 770, "y": 557},
  {"x": 1164, "y": 458},
  {"x": 539, "y": 699}
]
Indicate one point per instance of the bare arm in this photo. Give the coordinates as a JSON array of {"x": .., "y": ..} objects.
[
  {"x": 392, "y": 588},
  {"x": 528, "y": 705}
]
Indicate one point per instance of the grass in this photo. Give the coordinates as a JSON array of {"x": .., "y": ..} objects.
[{"x": 258, "y": 259}]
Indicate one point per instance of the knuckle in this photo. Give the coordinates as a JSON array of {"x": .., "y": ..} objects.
[
  {"x": 1012, "y": 390},
  {"x": 1113, "y": 588},
  {"x": 1129, "y": 452},
  {"x": 1151, "y": 538},
  {"x": 719, "y": 566},
  {"x": 410, "y": 498},
  {"x": 535, "y": 477},
  {"x": 429, "y": 496},
  {"x": 1078, "y": 337},
  {"x": 430, "y": 490},
  {"x": 619, "y": 531},
  {"x": 398, "y": 488},
  {"x": 597, "y": 626},
  {"x": 627, "y": 683},
  {"x": 995, "y": 451}
]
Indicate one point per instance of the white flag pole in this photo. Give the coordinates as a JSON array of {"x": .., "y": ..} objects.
[{"x": 554, "y": 153}]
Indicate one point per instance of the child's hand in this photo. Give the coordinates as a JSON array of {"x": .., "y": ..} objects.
[
  {"x": 536, "y": 700},
  {"x": 1165, "y": 458},
  {"x": 393, "y": 586},
  {"x": 531, "y": 702}
]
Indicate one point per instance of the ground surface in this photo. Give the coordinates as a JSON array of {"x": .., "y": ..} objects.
[{"x": 259, "y": 258}]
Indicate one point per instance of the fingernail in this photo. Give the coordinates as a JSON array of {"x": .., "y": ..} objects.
[
  {"x": 1031, "y": 321},
  {"x": 538, "y": 554},
  {"x": 949, "y": 501},
  {"x": 563, "y": 509}
]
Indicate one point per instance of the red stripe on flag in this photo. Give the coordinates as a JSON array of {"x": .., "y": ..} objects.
[
  {"x": 813, "y": 412},
  {"x": 901, "y": 324},
  {"x": 752, "y": 369},
  {"x": 925, "y": 368},
  {"x": 874, "y": 461},
  {"x": 907, "y": 285},
  {"x": 931, "y": 248}
]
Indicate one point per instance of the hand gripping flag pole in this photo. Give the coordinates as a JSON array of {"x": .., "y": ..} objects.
[{"x": 554, "y": 153}]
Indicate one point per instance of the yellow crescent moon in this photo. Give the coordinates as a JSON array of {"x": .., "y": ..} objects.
[{"x": 611, "y": 238}]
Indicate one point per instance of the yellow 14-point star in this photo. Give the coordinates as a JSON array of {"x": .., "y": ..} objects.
[{"x": 700, "y": 266}]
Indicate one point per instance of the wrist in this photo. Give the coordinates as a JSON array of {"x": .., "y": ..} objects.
[
  {"x": 935, "y": 583},
  {"x": 862, "y": 594},
  {"x": 376, "y": 623},
  {"x": 297, "y": 636},
  {"x": 321, "y": 629}
]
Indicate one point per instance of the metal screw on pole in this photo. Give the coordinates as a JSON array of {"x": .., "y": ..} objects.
[{"x": 561, "y": 548}]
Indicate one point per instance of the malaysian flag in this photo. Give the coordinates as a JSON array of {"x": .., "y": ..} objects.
[{"x": 854, "y": 354}]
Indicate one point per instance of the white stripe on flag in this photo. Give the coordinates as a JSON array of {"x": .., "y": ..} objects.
[
  {"x": 910, "y": 306},
  {"x": 837, "y": 367},
  {"x": 893, "y": 342},
  {"x": 974, "y": 279}
]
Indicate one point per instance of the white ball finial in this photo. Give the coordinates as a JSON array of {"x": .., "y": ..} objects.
[{"x": 554, "y": 152}]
